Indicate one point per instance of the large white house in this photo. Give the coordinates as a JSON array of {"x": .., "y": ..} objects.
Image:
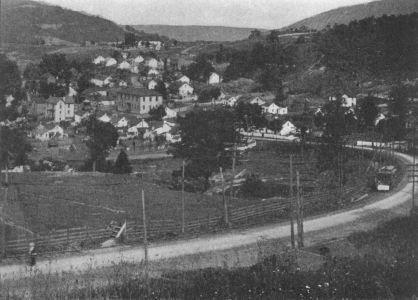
[
  {"x": 152, "y": 63},
  {"x": 152, "y": 84},
  {"x": 185, "y": 90},
  {"x": 105, "y": 118},
  {"x": 110, "y": 61},
  {"x": 257, "y": 100},
  {"x": 124, "y": 65},
  {"x": 170, "y": 113},
  {"x": 139, "y": 59},
  {"x": 60, "y": 109},
  {"x": 214, "y": 78},
  {"x": 47, "y": 132}
]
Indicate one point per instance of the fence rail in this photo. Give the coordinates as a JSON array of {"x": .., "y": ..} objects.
[{"x": 83, "y": 237}]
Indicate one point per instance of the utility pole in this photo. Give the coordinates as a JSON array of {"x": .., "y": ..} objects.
[
  {"x": 225, "y": 203},
  {"x": 234, "y": 158},
  {"x": 145, "y": 231},
  {"x": 292, "y": 207},
  {"x": 182, "y": 198},
  {"x": 300, "y": 212},
  {"x": 413, "y": 171}
]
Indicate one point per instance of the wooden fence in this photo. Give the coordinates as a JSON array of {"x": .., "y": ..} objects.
[{"x": 76, "y": 239}]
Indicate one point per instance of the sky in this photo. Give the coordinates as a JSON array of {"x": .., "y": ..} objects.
[{"x": 268, "y": 14}]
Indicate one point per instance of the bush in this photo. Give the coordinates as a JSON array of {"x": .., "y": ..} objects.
[{"x": 122, "y": 164}]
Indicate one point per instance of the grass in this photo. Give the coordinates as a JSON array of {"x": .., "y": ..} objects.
[{"x": 385, "y": 268}]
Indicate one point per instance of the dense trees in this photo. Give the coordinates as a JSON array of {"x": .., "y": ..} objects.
[
  {"x": 157, "y": 113},
  {"x": 102, "y": 136},
  {"x": 10, "y": 84},
  {"x": 204, "y": 138},
  {"x": 209, "y": 93},
  {"x": 372, "y": 46},
  {"x": 201, "y": 69},
  {"x": 249, "y": 115},
  {"x": 14, "y": 147},
  {"x": 367, "y": 112}
]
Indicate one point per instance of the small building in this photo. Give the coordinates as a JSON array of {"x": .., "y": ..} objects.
[
  {"x": 139, "y": 59},
  {"x": 170, "y": 113},
  {"x": 257, "y": 100},
  {"x": 152, "y": 63},
  {"x": 288, "y": 128},
  {"x": 184, "y": 79},
  {"x": 214, "y": 78},
  {"x": 97, "y": 82},
  {"x": 99, "y": 59},
  {"x": 152, "y": 84},
  {"x": 123, "y": 83},
  {"x": 153, "y": 73},
  {"x": 48, "y": 131},
  {"x": 110, "y": 62},
  {"x": 185, "y": 90},
  {"x": 274, "y": 109},
  {"x": 104, "y": 118},
  {"x": 124, "y": 65}
]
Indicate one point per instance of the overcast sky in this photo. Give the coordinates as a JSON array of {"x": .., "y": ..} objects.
[{"x": 240, "y": 13}]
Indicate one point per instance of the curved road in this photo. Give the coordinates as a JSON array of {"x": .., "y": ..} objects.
[{"x": 317, "y": 229}]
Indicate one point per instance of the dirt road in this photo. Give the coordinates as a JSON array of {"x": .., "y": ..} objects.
[{"x": 318, "y": 229}]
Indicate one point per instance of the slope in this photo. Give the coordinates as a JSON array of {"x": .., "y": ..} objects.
[
  {"x": 30, "y": 22},
  {"x": 345, "y": 15}
]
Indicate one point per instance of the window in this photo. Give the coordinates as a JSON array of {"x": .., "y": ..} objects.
[{"x": 143, "y": 107}]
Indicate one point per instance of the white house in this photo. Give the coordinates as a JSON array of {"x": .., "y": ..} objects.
[
  {"x": 99, "y": 59},
  {"x": 139, "y": 59},
  {"x": 152, "y": 84},
  {"x": 134, "y": 130},
  {"x": 185, "y": 90},
  {"x": 124, "y": 65},
  {"x": 184, "y": 79},
  {"x": 125, "y": 55},
  {"x": 153, "y": 72},
  {"x": 276, "y": 110},
  {"x": 170, "y": 113},
  {"x": 152, "y": 63},
  {"x": 105, "y": 118},
  {"x": 47, "y": 132},
  {"x": 97, "y": 82},
  {"x": 72, "y": 92},
  {"x": 108, "y": 81},
  {"x": 165, "y": 128},
  {"x": 60, "y": 109},
  {"x": 232, "y": 101},
  {"x": 156, "y": 45},
  {"x": 123, "y": 122},
  {"x": 110, "y": 61},
  {"x": 288, "y": 128},
  {"x": 257, "y": 100},
  {"x": 214, "y": 78},
  {"x": 348, "y": 101},
  {"x": 123, "y": 83},
  {"x": 135, "y": 69}
]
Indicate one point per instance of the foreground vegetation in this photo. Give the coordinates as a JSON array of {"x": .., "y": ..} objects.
[{"x": 383, "y": 265}]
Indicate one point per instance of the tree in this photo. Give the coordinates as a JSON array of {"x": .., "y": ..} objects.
[
  {"x": 14, "y": 147},
  {"x": 205, "y": 135},
  {"x": 161, "y": 88},
  {"x": 255, "y": 35},
  {"x": 122, "y": 164},
  {"x": 399, "y": 108},
  {"x": 102, "y": 136},
  {"x": 157, "y": 113},
  {"x": 249, "y": 115},
  {"x": 209, "y": 94},
  {"x": 57, "y": 65},
  {"x": 201, "y": 69},
  {"x": 10, "y": 84},
  {"x": 368, "y": 112}
]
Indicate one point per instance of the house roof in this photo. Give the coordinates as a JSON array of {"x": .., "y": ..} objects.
[{"x": 137, "y": 92}]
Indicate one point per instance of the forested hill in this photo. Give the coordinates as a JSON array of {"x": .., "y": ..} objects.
[
  {"x": 198, "y": 33},
  {"x": 345, "y": 15},
  {"x": 24, "y": 21}
]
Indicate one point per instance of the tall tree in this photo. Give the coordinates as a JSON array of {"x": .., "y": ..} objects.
[
  {"x": 367, "y": 112},
  {"x": 13, "y": 147},
  {"x": 102, "y": 137},
  {"x": 10, "y": 84},
  {"x": 122, "y": 164},
  {"x": 205, "y": 135}
]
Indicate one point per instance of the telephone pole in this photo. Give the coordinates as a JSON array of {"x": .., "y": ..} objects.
[
  {"x": 292, "y": 208},
  {"x": 182, "y": 198},
  {"x": 225, "y": 203},
  {"x": 300, "y": 212},
  {"x": 144, "y": 223},
  {"x": 413, "y": 171}
]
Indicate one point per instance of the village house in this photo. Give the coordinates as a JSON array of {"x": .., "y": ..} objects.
[
  {"x": 274, "y": 109},
  {"x": 124, "y": 65},
  {"x": 153, "y": 73},
  {"x": 346, "y": 100},
  {"x": 231, "y": 101},
  {"x": 184, "y": 79},
  {"x": 214, "y": 78},
  {"x": 98, "y": 60},
  {"x": 48, "y": 131},
  {"x": 134, "y": 69},
  {"x": 156, "y": 45},
  {"x": 97, "y": 82},
  {"x": 60, "y": 109},
  {"x": 123, "y": 83},
  {"x": 139, "y": 101},
  {"x": 110, "y": 62},
  {"x": 152, "y": 63},
  {"x": 170, "y": 113},
  {"x": 185, "y": 90},
  {"x": 152, "y": 84},
  {"x": 139, "y": 59},
  {"x": 141, "y": 126},
  {"x": 104, "y": 118},
  {"x": 288, "y": 128},
  {"x": 257, "y": 100}
]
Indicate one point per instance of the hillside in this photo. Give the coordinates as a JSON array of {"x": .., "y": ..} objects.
[
  {"x": 345, "y": 15},
  {"x": 197, "y": 33},
  {"x": 24, "y": 21}
]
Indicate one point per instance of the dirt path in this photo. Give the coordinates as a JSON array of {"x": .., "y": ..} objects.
[{"x": 317, "y": 230}]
